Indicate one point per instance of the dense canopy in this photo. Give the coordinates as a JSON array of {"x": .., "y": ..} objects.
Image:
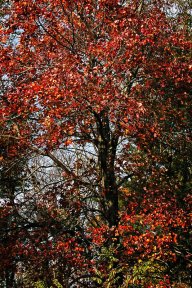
[{"x": 95, "y": 143}]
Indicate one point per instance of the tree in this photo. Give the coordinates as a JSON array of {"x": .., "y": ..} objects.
[{"x": 100, "y": 89}]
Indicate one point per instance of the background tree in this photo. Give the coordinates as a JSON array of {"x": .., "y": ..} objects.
[{"x": 99, "y": 90}]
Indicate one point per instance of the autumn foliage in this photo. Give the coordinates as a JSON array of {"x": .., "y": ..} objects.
[{"x": 95, "y": 144}]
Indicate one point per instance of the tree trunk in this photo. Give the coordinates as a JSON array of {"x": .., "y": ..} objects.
[{"x": 107, "y": 144}]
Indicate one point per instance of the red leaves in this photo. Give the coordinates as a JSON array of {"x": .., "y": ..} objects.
[{"x": 104, "y": 87}]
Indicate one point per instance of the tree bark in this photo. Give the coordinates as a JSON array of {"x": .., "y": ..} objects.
[{"x": 107, "y": 144}]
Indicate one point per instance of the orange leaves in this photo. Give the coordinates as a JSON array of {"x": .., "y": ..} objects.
[
  {"x": 125, "y": 191},
  {"x": 68, "y": 142},
  {"x": 47, "y": 122}
]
